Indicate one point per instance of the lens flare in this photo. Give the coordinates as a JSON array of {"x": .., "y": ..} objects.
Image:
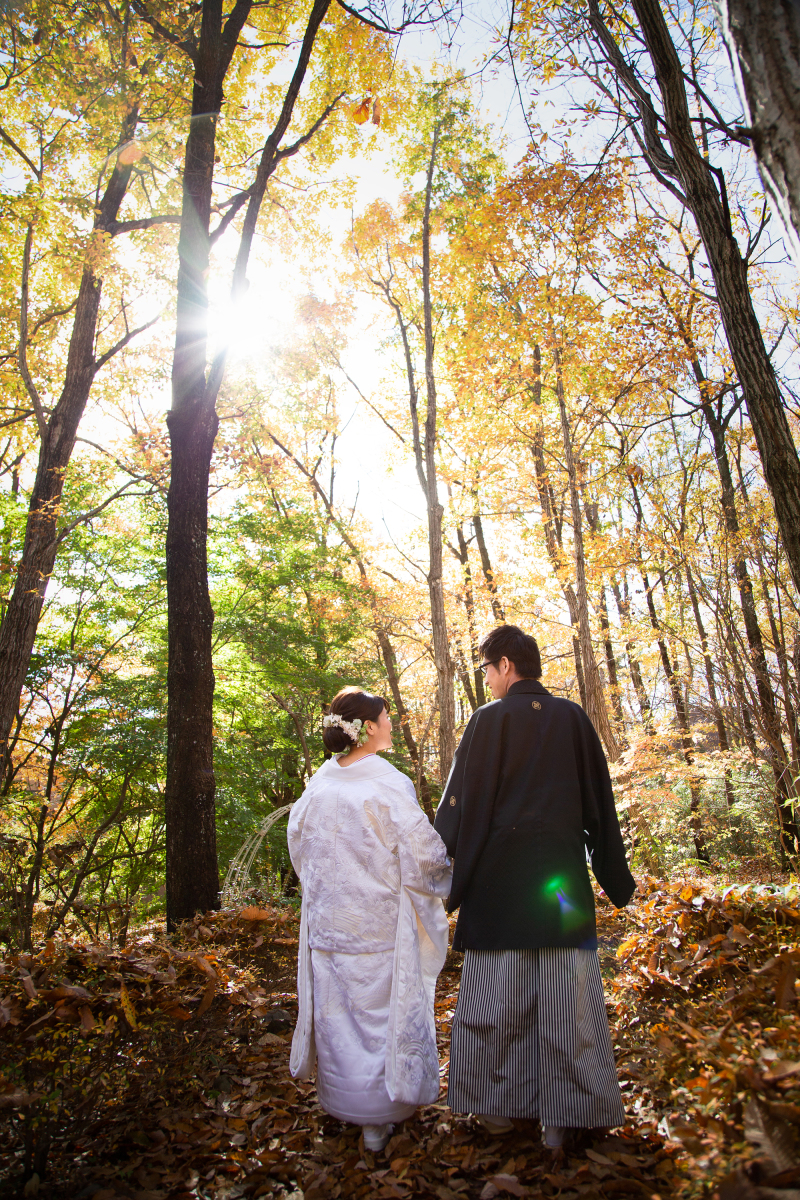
[{"x": 570, "y": 911}]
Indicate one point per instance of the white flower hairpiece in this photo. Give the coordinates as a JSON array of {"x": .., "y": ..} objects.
[{"x": 351, "y": 728}]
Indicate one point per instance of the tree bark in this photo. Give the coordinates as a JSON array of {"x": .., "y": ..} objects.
[
  {"x": 58, "y": 434},
  {"x": 681, "y": 715},
  {"x": 769, "y": 722},
  {"x": 709, "y": 207},
  {"x": 763, "y": 39},
  {"x": 475, "y": 691},
  {"x": 445, "y": 672},
  {"x": 778, "y": 643},
  {"x": 551, "y": 528},
  {"x": 682, "y": 718},
  {"x": 611, "y": 662},
  {"x": 624, "y": 609},
  {"x": 390, "y": 663}
]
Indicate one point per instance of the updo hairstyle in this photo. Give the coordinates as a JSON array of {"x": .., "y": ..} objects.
[{"x": 351, "y": 703}]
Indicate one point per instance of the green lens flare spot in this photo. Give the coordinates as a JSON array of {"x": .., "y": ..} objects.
[{"x": 558, "y": 890}]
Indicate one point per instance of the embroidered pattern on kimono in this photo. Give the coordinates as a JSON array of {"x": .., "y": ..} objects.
[{"x": 373, "y": 873}]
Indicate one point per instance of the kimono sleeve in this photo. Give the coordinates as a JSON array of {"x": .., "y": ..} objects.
[
  {"x": 294, "y": 832},
  {"x": 600, "y": 821},
  {"x": 424, "y": 864},
  {"x": 465, "y": 811}
]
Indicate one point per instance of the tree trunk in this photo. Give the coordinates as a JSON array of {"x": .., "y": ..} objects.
[
  {"x": 763, "y": 39},
  {"x": 769, "y": 717},
  {"x": 390, "y": 662},
  {"x": 58, "y": 434},
  {"x": 611, "y": 662},
  {"x": 192, "y": 871},
  {"x": 681, "y": 715},
  {"x": 445, "y": 672},
  {"x": 191, "y": 837},
  {"x": 488, "y": 573},
  {"x": 384, "y": 641},
  {"x": 595, "y": 698},
  {"x": 551, "y": 529},
  {"x": 719, "y": 720},
  {"x": 709, "y": 207},
  {"x": 682, "y": 718},
  {"x": 475, "y": 690},
  {"x": 624, "y": 610},
  {"x": 778, "y": 644}
]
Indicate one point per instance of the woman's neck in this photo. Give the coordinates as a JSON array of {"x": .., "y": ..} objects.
[{"x": 356, "y": 754}]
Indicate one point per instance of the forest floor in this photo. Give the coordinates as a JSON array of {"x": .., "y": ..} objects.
[{"x": 160, "y": 1071}]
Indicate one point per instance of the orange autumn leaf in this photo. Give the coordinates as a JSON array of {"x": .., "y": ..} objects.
[
  {"x": 131, "y": 153},
  {"x": 360, "y": 112},
  {"x": 251, "y": 913}
]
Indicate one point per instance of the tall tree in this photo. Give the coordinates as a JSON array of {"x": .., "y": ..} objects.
[
  {"x": 409, "y": 284},
  {"x": 102, "y": 49},
  {"x": 686, "y": 172},
  {"x": 192, "y": 875}
]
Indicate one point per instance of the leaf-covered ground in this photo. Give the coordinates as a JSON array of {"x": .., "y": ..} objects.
[{"x": 161, "y": 1069}]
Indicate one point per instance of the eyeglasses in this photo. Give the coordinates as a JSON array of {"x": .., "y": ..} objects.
[{"x": 485, "y": 666}]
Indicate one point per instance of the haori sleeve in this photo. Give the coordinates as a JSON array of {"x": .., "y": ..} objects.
[{"x": 600, "y": 821}]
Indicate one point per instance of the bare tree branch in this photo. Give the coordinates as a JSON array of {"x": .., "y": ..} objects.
[
  {"x": 186, "y": 44},
  {"x": 115, "y": 349},
  {"x": 144, "y": 223},
  {"x": 9, "y": 141},
  {"x": 93, "y": 512},
  {"x": 38, "y": 407}
]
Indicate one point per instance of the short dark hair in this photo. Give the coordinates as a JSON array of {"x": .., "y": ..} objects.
[
  {"x": 519, "y": 648},
  {"x": 351, "y": 703}
]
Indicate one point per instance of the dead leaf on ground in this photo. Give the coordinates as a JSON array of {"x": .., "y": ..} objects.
[
  {"x": 251, "y": 913},
  {"x": 208, "y": 996}
]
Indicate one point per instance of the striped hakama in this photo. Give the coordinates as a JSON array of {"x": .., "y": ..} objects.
[{"x": 530, "y": 1039}]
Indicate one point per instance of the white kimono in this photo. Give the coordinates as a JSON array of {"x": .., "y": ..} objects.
[{"x": 373, "y": 938}]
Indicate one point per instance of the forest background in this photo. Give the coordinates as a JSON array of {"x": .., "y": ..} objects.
[{"x": 465, "y": 376}]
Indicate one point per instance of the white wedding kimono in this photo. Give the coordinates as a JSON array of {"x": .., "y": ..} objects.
[{"x": 373, "y": 938}]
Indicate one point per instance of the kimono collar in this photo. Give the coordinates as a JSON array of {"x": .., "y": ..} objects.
[
  {"x": 523, "y": 686},
  {"x": 370, "y": 767}
]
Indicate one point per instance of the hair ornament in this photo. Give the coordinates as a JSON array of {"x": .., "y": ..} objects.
[{"x": 351, "y": 728}]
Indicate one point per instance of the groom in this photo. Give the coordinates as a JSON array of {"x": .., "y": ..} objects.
[{"x": 528, "y": 799}]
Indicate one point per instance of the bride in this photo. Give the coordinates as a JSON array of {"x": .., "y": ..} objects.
[{"x": 373, "y": 934}]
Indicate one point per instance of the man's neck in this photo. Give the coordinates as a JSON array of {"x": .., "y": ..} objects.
[{"x": 511, "y": 679}]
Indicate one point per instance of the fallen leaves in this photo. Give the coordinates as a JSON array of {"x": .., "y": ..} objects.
[
  {"x": 197, "y": 1088},
  {"x": 706, "y": 1025},
  {"x": 198, "y": 1098}
]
